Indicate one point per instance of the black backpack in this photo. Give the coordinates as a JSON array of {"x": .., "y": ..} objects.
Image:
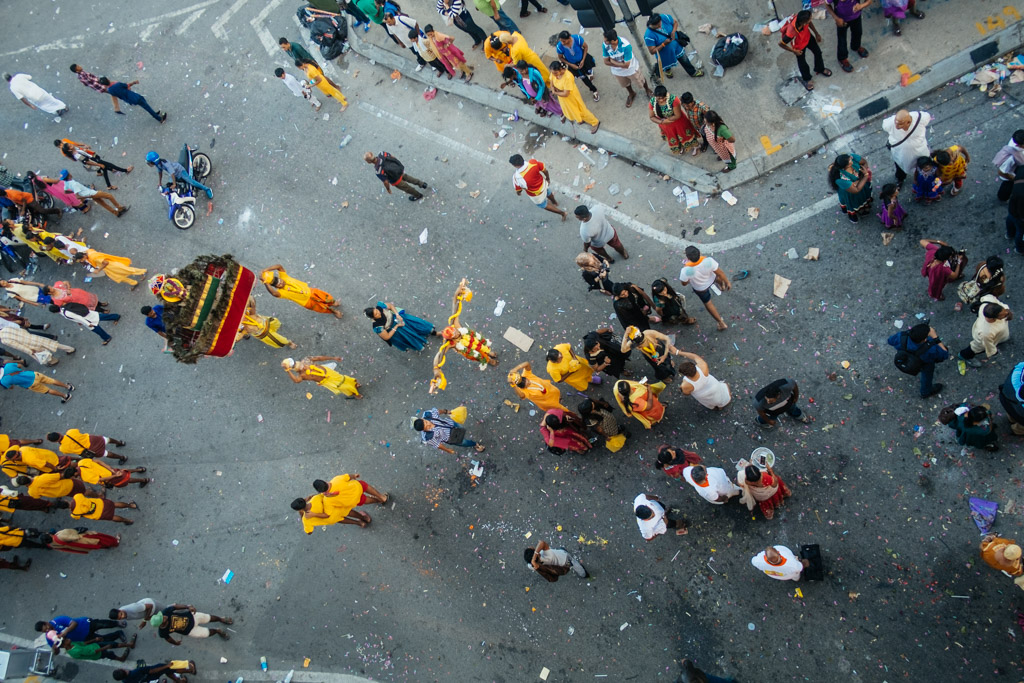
[
  {"x": 392, "y": 168},
  {"x": 910, "y": 361}
]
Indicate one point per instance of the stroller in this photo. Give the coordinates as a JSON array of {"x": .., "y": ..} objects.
[{"x": 326, "y": 29}]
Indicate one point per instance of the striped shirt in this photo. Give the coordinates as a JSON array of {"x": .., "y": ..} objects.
[
  {"x": 442, "y": 430},
  {"x": 457, "y": 7},
  {"x": 91, "y": 81}
]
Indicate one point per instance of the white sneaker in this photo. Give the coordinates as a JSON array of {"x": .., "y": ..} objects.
[
  {"x": 578, "y": 568},
  {"x": 419, "y": 67}
]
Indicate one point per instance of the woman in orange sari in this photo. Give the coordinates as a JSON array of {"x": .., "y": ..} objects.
[
  {"x": 640, "y": 401},
  {"x": 761, "y": 487},
  {"x": 676, "y": 129}
]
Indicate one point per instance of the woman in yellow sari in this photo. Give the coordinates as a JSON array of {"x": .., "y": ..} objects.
[
  {"x": 327, "y": 86},
  {"x": 563, "y": 85},
  {"x": 117, "y": 268},
  {"x": 518, "y": 49},
  {"x": 640, "y": 401},
  {"x": 307, "y": 370},
  {"x": 540, "y": 392}
]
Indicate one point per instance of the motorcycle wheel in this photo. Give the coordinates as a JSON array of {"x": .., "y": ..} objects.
[
  {"x": 201, "y": 166},
  {"x": 45, "y": 200},
  {"x": 184, "y": 217}
]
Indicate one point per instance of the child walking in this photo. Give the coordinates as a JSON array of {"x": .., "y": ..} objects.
[{"x": 892, "y": 214}]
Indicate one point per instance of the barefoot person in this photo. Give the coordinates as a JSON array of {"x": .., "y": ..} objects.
[
  {"x": 533, "y": 177},
  {"x": 471, "y": 344},
  {"x": 309, "y": 370},
  {"x": 313, "y": 512},
  {"x": 281, "y": 285},
  {"x": 117, "y": 268}
]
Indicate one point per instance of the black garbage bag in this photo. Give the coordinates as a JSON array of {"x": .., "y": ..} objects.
[
  {"x": 730, "y": 50},
  {"x": 330, "y": 34}
]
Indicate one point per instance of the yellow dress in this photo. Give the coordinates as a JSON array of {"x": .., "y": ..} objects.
[
  {"x": 326, "y": 88},
  {"x": 572, "y": 369},
  {"x": 521, "y": 50},
  {"x": 293, "y": 289},
  {"x": 572, "y": 104},
  {"x": 333, "y": 381},
  {"x": 497, "y": 57},
  {"x": 265, "y": 329},
  {"x": 118, "y": 268},
  {"x": 542, "y": 393}
]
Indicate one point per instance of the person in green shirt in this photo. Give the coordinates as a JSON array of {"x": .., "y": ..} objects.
[
  {"x": 92, "y": 650},
  {"x": 297, "y": 52},
  {"x": 492, "y": 9}
]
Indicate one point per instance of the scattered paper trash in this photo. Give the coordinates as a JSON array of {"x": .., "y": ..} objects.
[
  {"x": 887, "y": 237},
  {"x": 474, "y": 194},
  {"x": 500, "y": 305},
  {"x": 692, "y": 199},
  {"x": 753, "y": 212},
  {"x": 423, "y": 236},
  {"x": 396, "y": 75},
  {"x": 832, "y": 108},
  {"x": 812, "y": 254},
  {"x": 729, "y": 198},
  {"x": 174, "y": 542},
  {"x": 624, "y": 626},
  {"x": 889, "y": 263},
  {"x": 898, "y": 324},
  {"x": 781, "y": 286},
  {"x": 678, "y": 191},
  {"x": 520, "y": 340},
  {"x": 477, "y": 471},
  {"x": 228, "y": 575},
  {"x": 223, "y": 660},
  {"x": 544, "y": 672},
  {"x": 461, "y": 185},
  {"x": 845, "y": 364},
  {"x": 710, "y": 231},
  {"x": 791, "y": 253}
]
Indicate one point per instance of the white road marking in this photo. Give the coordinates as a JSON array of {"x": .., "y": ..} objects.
[
  {"x": 616, "y": 215},
  {"x": 73, "y": 42},
  {"x": 218, "y": 26},
  {"x": 265, "y": 36},
  {"x": 442, "y": 140},
  {"x": 147, "y": 32},
  {"x": 188, "y": 22}
]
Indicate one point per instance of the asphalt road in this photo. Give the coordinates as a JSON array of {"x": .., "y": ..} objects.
[{"x": 436, "y": 588}]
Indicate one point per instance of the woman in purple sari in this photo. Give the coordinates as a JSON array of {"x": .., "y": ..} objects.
[{"x": 531, "y": 82}]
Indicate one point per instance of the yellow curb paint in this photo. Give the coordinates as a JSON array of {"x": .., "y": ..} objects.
[
  {"x": 769, "y": 148},
  {"x": 906, "y": 76}
]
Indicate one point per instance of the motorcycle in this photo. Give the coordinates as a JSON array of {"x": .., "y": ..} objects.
[{"x": 180, "y": 196}]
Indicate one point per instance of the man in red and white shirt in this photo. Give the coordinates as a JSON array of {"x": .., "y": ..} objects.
[
  {"x": 779, "y": 562},
  {"x": 533, "y": 177},
  {"x": 798, "y": 36}
]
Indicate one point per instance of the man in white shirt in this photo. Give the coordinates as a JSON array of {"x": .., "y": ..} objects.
[
  {"x": 33, "y": 96},
  {"x": 597, "y": 233},
  {"x": 104, "y": 199},
  {"x": 652, "y": 518},
  {"x": 704, "y": 276},
  {"x": 780, "y": 563},
  {"x": 1007, "y": 160},
  {"x": 991, "y": 328},
  {"x": 908, "y": 140},
  {"x": 618, "y": 55},
  {"x": 89, "y": 319},
  {"x": 298, "y": 89},
  {"x": 712, "y": 483}
]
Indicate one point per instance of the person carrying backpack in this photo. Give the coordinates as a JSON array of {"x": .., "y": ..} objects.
[
  {"x": 392, "y": 173},
  {"x": 917, "y": 351}
]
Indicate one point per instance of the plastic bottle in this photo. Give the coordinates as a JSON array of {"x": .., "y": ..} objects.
[
  {"x": 263, "y": 663},
  {"x": 344, "y": 141}
]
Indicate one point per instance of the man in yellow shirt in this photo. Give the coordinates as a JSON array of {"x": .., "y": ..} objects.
[
  {"x": 89, "y": 507},
  {"x": 313, "y": 513},
  {"x": 94, "y": 472},
  {"x": 9, "y": 503},
  {"x": 564, "y": 365},
  {"x": 346, "y": 492},
  {"x": 540, "y": 392},
  {"x": 77, "y": 442},
  {"x": 53, "y": 484},
  {"x": 281, "y": 285},
  {"x": 20, "y": 459}
]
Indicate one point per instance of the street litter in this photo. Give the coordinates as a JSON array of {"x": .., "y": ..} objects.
[
  {"x": 423, "y": 236},
  {"x": 781, "y": 286},
  {"x": 729, "y": 198},
  {"x": 753, "y": 212},
  {"x": 544, "y": 672},
  {"x": 812, "y": 254},
  {"x": 520, "y": 340}
]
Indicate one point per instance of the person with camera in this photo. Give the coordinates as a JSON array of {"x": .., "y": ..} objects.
[
  {"x": 917, "y": 351},
  {"x": 942, "y": 264},
  {"x": 662, "y": 38}
]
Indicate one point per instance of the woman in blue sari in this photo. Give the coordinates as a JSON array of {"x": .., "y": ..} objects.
[
  {"x": 531, "y": 82},
  {"x": 398, "y": 328}
]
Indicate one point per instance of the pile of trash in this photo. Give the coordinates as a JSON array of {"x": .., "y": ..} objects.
[{"x": 990, "y": 78}]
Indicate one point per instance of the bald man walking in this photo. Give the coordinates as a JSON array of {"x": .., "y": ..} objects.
[{"x": 908, "y": 140}]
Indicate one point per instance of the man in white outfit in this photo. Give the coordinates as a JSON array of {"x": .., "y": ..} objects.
[
  {"x": 712, "y": 483},
  {"x": 298, "y": 89},
  {"x": 780, "y": 563},
  {"x": 908, "y": 140},
  {"x": 33, "y": 96}
]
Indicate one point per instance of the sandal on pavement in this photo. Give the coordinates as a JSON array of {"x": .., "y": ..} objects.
[
  {"x": 742, "y": 275},
  {"x": 847, "y": 67},
  {"x": 826, "y": 73}
]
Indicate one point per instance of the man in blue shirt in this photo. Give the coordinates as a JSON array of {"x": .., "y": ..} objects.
[
  {"x": 13, "y": 375},
  {"x": 923, "y": 341},
  {"x": 80, "y": 629},
  {"x": 660, "y": 39},
  {"x": 175, "y": 170},
  {"x": 1011, "y": 396},
  {"x": 155, "y": 319},
  {"x": 575, "y": 52},
  {"x": 124, "y": 92}
]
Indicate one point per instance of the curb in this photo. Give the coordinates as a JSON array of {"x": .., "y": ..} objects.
[
  {"x": 612, "y": 142},
  {"x": 804, "y": 142}
]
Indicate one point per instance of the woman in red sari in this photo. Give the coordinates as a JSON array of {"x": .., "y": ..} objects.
[
  {"x": 761, "y": 487},
  {"x": 672, "y": 460},
  {"x": 563, "y": 431},
  {"x": 82, "y": 541},
  {"x": 676, "y": 129}
]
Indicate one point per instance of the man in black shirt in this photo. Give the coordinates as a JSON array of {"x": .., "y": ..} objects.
[
  {"x": 144, "y": 674},
  {"x": 775, "y": 399},
  {"x": 391, "y": 172},
  {"x": 184, "y": 619}
]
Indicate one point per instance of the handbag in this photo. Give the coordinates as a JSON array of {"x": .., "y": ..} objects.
[{"x": 615, "y": 443}]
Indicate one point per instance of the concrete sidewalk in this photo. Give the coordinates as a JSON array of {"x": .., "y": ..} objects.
[{"x": 953, "y": 39}]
